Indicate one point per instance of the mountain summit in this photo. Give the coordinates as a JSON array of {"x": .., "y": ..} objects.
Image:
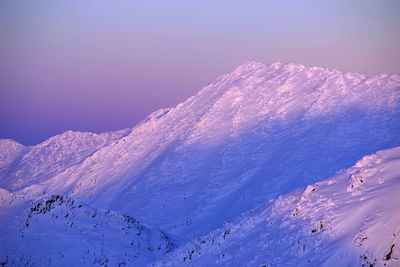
[{"x": 258, "y": 133}]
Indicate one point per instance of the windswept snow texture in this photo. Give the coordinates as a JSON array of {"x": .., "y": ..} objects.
[
  {"x": 254, "y": 136},
  {"x": 350, "y": 219},
  {"x": 58, "y": 231}
]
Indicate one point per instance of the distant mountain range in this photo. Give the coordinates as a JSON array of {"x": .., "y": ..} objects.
[{"x": 266, "y": 166}]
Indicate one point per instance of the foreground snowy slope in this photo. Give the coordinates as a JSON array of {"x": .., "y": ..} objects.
[
  {"x": 253, "y": 135},
  {"x": 56, "y": 230},
  {"x": 350, "y": 219}
]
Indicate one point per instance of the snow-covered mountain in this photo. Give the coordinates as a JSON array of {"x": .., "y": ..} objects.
[{"x": 239, "y": 151}]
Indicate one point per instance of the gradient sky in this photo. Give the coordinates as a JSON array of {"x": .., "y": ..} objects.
[{"x": 105, "y": 65}]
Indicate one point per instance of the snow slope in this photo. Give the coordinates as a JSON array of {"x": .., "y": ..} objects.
[
  {"x": 253, "y": 135},
  {"x": 58, "y": 231},
  {"x": 349, "y": 219}
]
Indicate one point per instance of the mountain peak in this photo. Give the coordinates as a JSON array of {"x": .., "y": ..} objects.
[
  {"x": 251, "y": 62},
  {"x": 251, "y": 66},
  {"x": 254, "y": 65}
]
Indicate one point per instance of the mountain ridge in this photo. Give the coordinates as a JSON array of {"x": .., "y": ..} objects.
[
  {"x": 246, "y": 64},
  {"x": 220, "y": 113},
  {"x": 257, "y": 133}
]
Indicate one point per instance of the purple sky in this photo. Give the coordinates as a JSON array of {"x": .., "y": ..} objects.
[{"x": 105, "y": 65}]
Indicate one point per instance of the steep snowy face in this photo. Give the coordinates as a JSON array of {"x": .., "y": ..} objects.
[
  {"x": 350, "y": 219},
  {"x": 252, "y": 135},
  {"x": 24, "y": 166},
  {"x": 256, "y": 94}
]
